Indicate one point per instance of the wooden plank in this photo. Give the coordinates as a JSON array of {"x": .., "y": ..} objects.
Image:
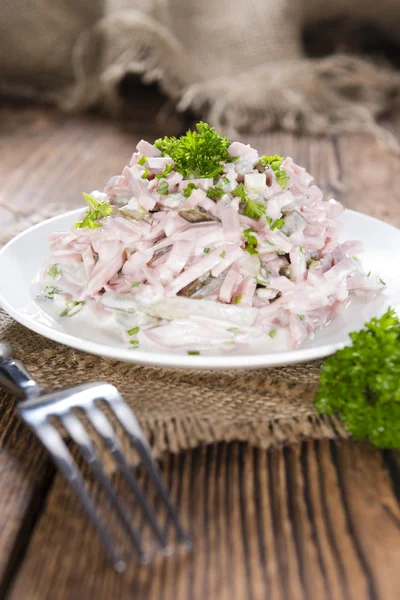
[
  {"x": 48, "y": 158},
  {"x": 370, "y": 176},
  {"x": 25, "y": 477},
  {"x": 310, "y": 522},
  {"x": 287, "y": 524}
]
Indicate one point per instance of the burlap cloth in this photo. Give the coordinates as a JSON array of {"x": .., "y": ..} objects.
[
  {"x": 242, "y": 65},
  {"x": 181, "y": 409}
]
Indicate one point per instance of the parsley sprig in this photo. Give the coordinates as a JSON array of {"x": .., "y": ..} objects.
[
  {"x": 361, "y": 383},
  {"x": 198, "y": 153},
  {"x": 95, "y": 211}
]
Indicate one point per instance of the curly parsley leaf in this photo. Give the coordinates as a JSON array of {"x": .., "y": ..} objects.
[
  {"x": 198, "y": 153},
  {"x": 361, "y": 383},
  {"x": 252, "y": 209},
  {"x": 96, "y": 210}
]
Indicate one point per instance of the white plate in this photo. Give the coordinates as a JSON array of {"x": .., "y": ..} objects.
[{"x": 21, "y": 259}]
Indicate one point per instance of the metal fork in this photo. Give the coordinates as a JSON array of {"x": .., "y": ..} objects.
[{"x": 37, "y": 410}]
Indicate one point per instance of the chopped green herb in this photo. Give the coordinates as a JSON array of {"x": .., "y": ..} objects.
[
  {"x": 383, "y": 282},
  {"x": 198, "y": 153},
  {"x": 240, "y": 191},
  {"x": 72, "y": 307},
  {"x": 301, "y": 317},
  {"x": 167, "y": 171},
  {"x": 163, "y": 188},
  {"x": 193, "y": 352},
  {"x": 369, "y": 274},
  {"x": 277, "y": 224},
  {"x": 133, "y": 330},
  {"x": 361, "y": 383},
  {"x": 134, "y": 342},
  {"x": 145, "y": 174},
  {"x": 206, "y": 250},
  {"x": 187, "y": 192},
  {"x": 215, "y": 192},
  {"x": 313, "y": 264},
  {"x": 302, "y": 250},
  {"x": 223, "y": 254},
  {"x": 272, "y": 333},
  {"x": 54, "y": 271},
  {"x": 232, "y": 329},
  {"x": 142, "y": 160},
  {"x": 135, "y": 284},
  {"x": 95, "y": 211},
  {"x": 48, "y": 293},
  {"x": 274, "y": 162},
  {"x": 252, "y": 209},
  {"x": 238, "y": 299},
  {"x": 251, "y": 240},
  {"x": 355, "y": 258}
]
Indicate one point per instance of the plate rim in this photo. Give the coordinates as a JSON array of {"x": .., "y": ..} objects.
[{"x": 245, "y": 361}]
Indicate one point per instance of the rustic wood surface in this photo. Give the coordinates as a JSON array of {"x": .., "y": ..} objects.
[{"x": 314, "y": 521}]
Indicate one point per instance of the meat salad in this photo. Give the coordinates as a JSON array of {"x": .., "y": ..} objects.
[{"x": 206, "y": 245}]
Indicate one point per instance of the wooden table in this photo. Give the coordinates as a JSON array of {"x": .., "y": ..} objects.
[{"x": 315, "y": 521}]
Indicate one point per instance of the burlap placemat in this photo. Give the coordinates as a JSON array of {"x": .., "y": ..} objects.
[{"x": 181, "y": 408}]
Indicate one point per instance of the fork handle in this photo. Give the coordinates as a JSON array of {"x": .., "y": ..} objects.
[{"x": 14, "y": 377}]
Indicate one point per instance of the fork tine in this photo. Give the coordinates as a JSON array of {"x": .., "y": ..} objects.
[
  {"x": 80, "y": 436},
  {"x": 54, "y": 443},
  {"x": 130, "y": 424},
  {"x": 105, "y": 430}
]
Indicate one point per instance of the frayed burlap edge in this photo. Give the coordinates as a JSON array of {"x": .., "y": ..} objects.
[{"x": 319, "y": 96}]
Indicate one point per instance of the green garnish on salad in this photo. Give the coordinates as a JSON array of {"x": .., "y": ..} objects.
[
  {"x": 251, "y": 241},
  {"x": 198, "y": 153},
  {"x": 48, "y": 293},
  {"x": 163, "y": 188},
  {"x": 187, "y": 192},
  {"x": 252, "y": 209},
  {"x": 274, "y": 162},
  {"x": 96, "y": 211},
  {"x": 72, "y": 307},
  {"x": 54, "y": 271}
]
